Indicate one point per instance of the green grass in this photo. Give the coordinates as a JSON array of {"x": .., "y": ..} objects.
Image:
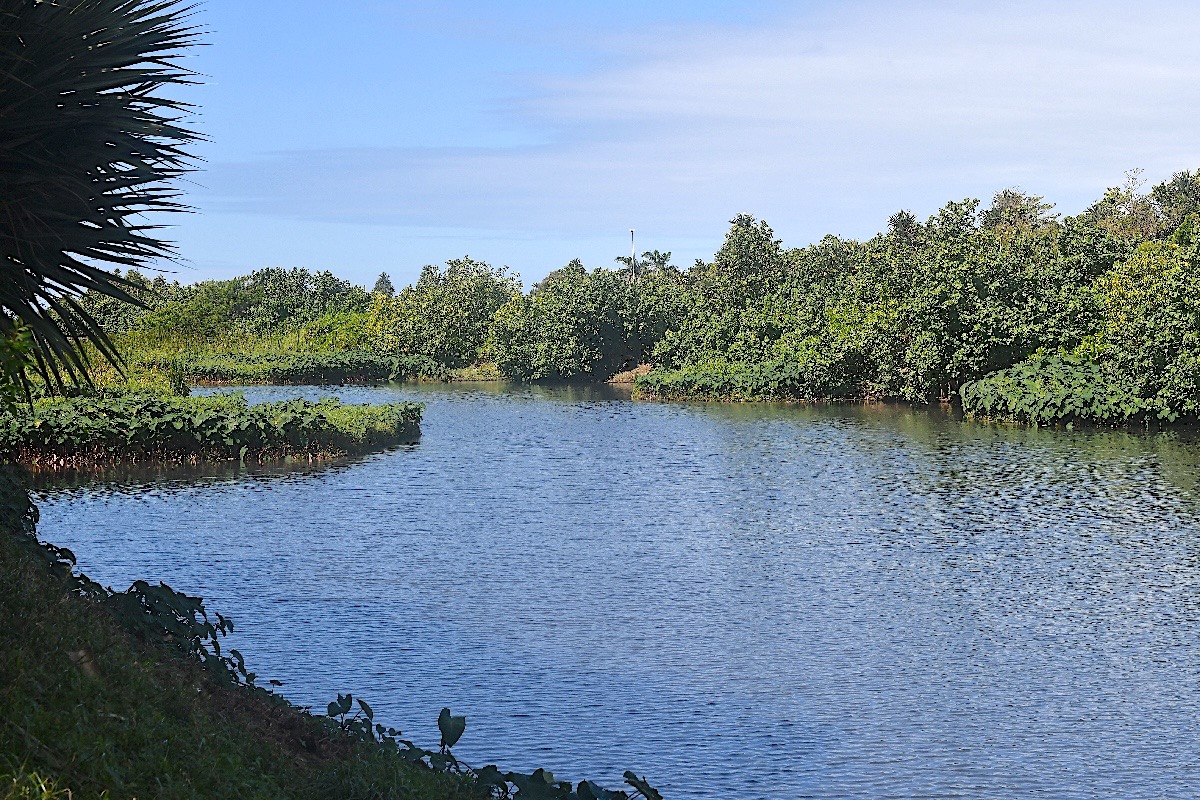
[
  {"x": 169, "y": 367},
  {"x": 93, "y": 431},
  {"x": 29, "y": 786},
  {"x": 282, "y": 368},
  {"x": 277, "y": 359}
]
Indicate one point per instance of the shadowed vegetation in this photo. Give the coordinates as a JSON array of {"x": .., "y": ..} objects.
[{"x": 89, "y": 431}]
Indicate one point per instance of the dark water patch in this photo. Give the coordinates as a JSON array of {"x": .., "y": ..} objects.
[
  {"x": 739, "y": 601},
  {"x": 136, "y": 479}
]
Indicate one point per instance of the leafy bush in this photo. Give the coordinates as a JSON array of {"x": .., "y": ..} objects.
[
  {"x": 1053, "y": 389},
  {"x": 265, "y": 301},
  {"x": 445, "y": 316},
  {"x": 133, "y": 428},
  {"x": 722, "y": 380},
  {"x": 587, "y": 324},
  {"x": 15, "y": 359},
  {"x": 418, "y": 368},
  {"x": 566, "y": 327},
  {"x": 336, "y": 331},
  {"x": 1150, "y": 329},
  {"x": 1142, "y": 361}
]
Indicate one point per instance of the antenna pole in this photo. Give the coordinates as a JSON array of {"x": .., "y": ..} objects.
[{"x": 633, "y": 254}]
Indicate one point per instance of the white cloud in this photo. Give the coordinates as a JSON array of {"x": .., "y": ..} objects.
[{"x": 825, "y": 121}]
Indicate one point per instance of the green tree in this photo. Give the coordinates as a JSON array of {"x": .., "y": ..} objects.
[
  {"x": 268, "y": 301},
  {"x": 575, "y": 323},
  {"x": 1151, "y": 324},
  {"x": 276, "y": 298},
  {"x": 726, "y": 314},
  {"x": 445, "y": 315},
  {"x": 384, "y": 286},
  {"x": 1012, "y": 211},
  {"x": 116, "y": 316},
  {"x": 1177, "y": 198}
]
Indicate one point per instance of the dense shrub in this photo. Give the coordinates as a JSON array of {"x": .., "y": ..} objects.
[
  {"x": 580, "y": 323},
  {"x": 130, "y": 429},
  {"x": 1052, "y": 389},
  {"x": 1150, "y": 329},
  {"x": 445, "y": 316},
  {"x": 768, "y": 380},
  {"x": 264, "y": 302},
  {"x": 1142, "y": 359},
  {"x": 924, "y": 308},
  {"x": 568, "y": 326}
]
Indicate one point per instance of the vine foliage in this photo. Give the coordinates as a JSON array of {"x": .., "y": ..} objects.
[{"x": 356, "y": 719}]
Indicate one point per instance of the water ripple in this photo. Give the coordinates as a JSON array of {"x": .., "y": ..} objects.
[{"x": 738, "y": 601}]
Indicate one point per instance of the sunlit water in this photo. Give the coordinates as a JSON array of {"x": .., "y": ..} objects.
[{"x": 736, "y": 601}]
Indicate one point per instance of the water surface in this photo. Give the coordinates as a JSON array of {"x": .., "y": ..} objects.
[{"x": 743, "y": 601}]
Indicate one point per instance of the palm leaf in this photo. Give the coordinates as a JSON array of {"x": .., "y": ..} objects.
[{"x": 88, "y": 143}]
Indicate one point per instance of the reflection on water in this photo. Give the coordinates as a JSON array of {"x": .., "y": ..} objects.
[
  {"x": 170, "y": 477},
  {"x": 738, "y": 600}
]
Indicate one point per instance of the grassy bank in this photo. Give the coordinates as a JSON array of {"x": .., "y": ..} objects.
[
  {"x": 172, "y": 368},
  {"x": 282, "y": 368},
  {"x": 129, "y": 694},
  {"x": 299, "y": 369},
  {"x": 93, "y": 431},
  {"x": 88, "y": 706},
  {"x": 287, "y": 368}
]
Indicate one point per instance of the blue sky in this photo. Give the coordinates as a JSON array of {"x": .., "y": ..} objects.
[{"x": 370, "y": 136}]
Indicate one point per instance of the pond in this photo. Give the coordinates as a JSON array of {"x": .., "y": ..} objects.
[{"x": 750, "y": 601}]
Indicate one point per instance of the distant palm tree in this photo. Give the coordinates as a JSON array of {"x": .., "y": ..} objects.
[{"x": 87, "y": 145}]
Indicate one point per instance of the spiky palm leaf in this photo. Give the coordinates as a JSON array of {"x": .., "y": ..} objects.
[{"x": 87, "y": 144}]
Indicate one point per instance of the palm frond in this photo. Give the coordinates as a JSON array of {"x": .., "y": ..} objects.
[{"x": 88, "y": 143}]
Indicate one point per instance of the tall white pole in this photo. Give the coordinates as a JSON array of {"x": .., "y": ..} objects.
[{"x": 633, "y": 265}]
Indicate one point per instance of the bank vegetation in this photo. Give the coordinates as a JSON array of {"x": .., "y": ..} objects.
[{"x": 1009, "y": 309}]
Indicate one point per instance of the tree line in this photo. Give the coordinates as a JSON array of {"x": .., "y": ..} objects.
[{"x": 913, "y": 313}]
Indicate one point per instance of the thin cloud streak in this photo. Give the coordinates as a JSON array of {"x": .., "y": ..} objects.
[{"x": 819, "y": 124}]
